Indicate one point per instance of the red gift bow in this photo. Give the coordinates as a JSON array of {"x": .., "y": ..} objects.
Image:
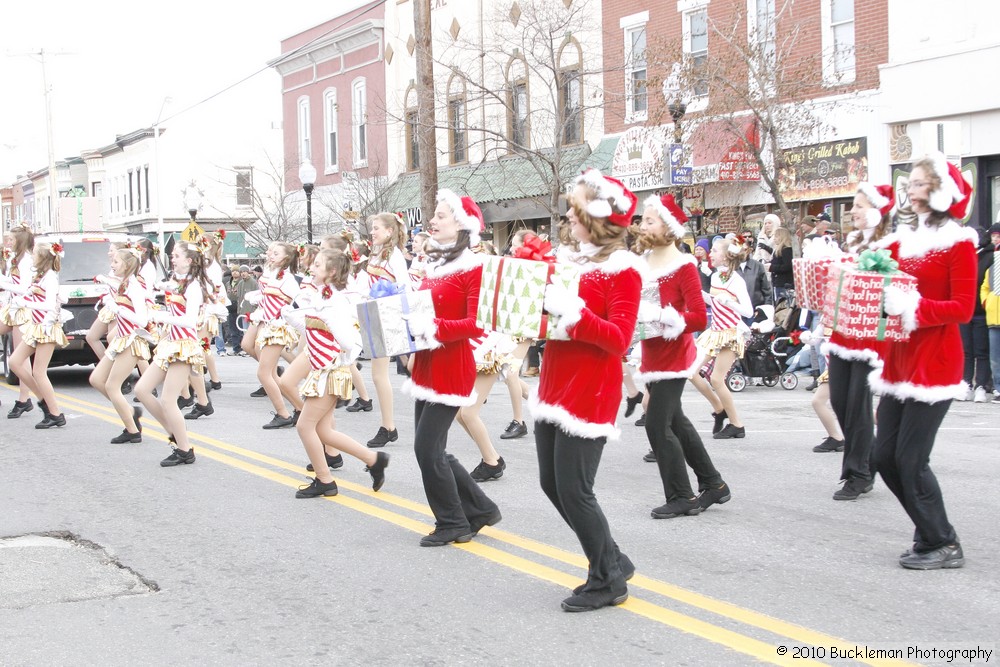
[{"x": 536, "y": 249}]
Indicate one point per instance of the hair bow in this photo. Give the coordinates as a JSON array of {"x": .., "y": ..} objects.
[{"x": 57, "y": 250}]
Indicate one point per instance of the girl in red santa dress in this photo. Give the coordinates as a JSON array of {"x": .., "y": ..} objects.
[
  {"x": 269, "y": 334},
  {"x": 129, "y": 307},
  {"x": 725, "y": 339},
  {"x": 851, "y": 361},
  {"x": 332, "y": 342},
  {"x": 386, "y": 263},
  {"x": 923, "y": 374},
  {"x": 18, "y": 266},
  {"x": 42, "y": 332},
  {"x": 581, "y": 380},
  {"x": 670, "y": 359},
  {"x": 179, "y": 351},
  {"x": 444, "y": 376}
]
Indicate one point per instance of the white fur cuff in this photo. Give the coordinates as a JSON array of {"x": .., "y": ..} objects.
[
  {"x": 423, "y": 327},
  {"x": 673, "y": 323},
  {"x": 571, "y": 314}
]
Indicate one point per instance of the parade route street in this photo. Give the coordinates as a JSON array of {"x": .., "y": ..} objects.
[{"x": 218, "y": 563}]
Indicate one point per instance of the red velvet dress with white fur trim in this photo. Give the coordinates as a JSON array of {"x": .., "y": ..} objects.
[
  {"x": 581, "y": 381},
  {"x": 680, "y": 288},
  {"x": 928, "y": 366},
  {"x": 447, "y": 374}
]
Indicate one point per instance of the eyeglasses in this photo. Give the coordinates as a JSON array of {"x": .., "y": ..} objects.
[{"x": 919, "y": 184}]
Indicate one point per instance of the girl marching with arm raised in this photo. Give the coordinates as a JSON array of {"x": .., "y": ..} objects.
[{"x": 18, "y": 269}]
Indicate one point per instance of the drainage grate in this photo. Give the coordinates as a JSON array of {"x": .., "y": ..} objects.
[{"x": 56, "y": 567}]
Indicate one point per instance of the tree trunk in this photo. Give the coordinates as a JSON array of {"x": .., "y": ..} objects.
[{"x": 426, "y": 131}]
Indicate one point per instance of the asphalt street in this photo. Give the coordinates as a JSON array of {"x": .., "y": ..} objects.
[{"x": 241, "y": 572}]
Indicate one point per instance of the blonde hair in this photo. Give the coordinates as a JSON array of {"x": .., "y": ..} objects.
[
  {"x": 45, "y": 260},
  {"x": 130, "y": 258},
  {"x": 603, "y": 233},
  {"x": 290, "y": 261},
  {"x": 398, "y": 233},
  {"x": 338, "y": 267},
  {"x": 732, "y": 260},
  {"x": 782, "y": 239}
]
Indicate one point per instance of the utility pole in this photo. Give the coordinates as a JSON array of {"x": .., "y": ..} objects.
[
  {"x": 53, "y": 186},
  {"x": 426, "y": 124}
]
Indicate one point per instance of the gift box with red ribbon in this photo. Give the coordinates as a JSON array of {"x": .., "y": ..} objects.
[
  {"x": 811, "y": 276},
  {"x": 512, "y": 292},
  {"x": 855, "y": 299}
]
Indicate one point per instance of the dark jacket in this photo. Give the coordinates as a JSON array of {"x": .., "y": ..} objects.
[
  {"x": 781, "y": 268},
  {"x": 758, "y": 285}
]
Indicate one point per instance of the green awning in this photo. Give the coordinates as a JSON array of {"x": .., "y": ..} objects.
[{"x": 600, "y": 159}]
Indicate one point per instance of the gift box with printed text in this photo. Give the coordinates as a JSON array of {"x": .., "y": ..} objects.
[
  {"x": 855, "y": 302},
  {"x": 512, "y": 295},
  {"x": 811, "y": 276}
]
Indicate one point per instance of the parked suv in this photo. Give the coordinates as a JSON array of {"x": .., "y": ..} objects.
[{"x": 86, "y": 257}]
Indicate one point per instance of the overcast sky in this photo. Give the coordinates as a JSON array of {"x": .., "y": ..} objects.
[{"x": 123, "y": 58}]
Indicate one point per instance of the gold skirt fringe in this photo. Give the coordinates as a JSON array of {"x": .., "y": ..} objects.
[
  {"x": 824, "y": 377},
  {"x": 712, "y": 342},
  {"x": 105, "y": 315},
  {"x": 277, "y": 332},
  {"x": 185, "y": 351},
  {"x": 492, "y": 363},
  {"x": 328, "y": 382},
  {"x": 212, "y": 326},
  {"x": 38, "y": 334},
  {"x": 136, "y": 344},
  {"x": 14, "y": 317}
]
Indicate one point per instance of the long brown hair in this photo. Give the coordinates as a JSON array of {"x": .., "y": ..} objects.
[
  {"x": 603, "y": 233},
  {"x": 338, "y": 266},
  {"x": 46, "y": 260},
  {"x": 394, "y": 224}
]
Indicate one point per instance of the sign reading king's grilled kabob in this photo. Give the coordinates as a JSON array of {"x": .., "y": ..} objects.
[{"x": 824, "y": 171}]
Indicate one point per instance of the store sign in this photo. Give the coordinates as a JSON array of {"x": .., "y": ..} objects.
[
  {"x": 694, "y": 200},
  {"x": 824, "y": 171},
  {"x": 739, "y": 165},
  {"x": 638, "y": 159},
  {"x": 680, "y": 173}
]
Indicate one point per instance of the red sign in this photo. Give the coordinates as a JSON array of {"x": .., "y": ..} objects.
[{"x": 739, "y": 165}]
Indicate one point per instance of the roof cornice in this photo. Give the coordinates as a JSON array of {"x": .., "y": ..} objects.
[{"x": 330, "y": 46}]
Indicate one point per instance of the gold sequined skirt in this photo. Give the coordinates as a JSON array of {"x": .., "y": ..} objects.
[
  {"x": 135, "y": 343},
  {"x": 14, "y": 317},
  {"x": 277, "y": 332},
  {"x": 712, "y": 342},
  {"x": 185, "y": 351},
  {"x": 105, "y": 315},
  {"x": 492, "y": 363},
  {"x": 212, "y": 326},
  {"x": 824, "y": 377},
  {"x": 328, "y": 382},
  {"x": 38, "y": 334}
]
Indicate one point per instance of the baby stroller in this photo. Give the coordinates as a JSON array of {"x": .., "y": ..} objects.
[{"x": 765, "y": 357}]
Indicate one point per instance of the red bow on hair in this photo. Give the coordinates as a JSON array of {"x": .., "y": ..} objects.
[
  {"x": 535, "y": 248},
  {"x": 281, "y": 274},
  {"x": 220, "y": 234},
  {"x": 327, "y": 292},
  {"x": 205, "y": 344},
  {"x": 355, "y": 257}
]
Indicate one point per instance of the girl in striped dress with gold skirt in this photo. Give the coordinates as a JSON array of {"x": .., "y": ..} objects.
[
  {"x": 179, "y": 352},
  {"x": 17, "y": 268},
  {"x": 332, "y": 343},
  {"x": 130, "y": 309}
]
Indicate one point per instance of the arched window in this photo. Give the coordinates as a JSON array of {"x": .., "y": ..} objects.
[
  {"x": 330, "y": 120},
  {"x": 359, "y": 121},
  {"x": 457, "y": 126},
  {"x": 305, "y": 136},
  {"x": 571, "y": 91},
  {"x": 412, "y": 138},
  {"x": 518, "y": 109}
]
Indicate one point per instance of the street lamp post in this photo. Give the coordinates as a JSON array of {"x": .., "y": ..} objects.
[
  {"x": 307, "y": 176},
  {"x": 192, "y": 200}
]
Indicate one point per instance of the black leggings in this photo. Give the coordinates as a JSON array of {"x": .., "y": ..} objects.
[
  {"x": 851, "y": 399},
  {"x": 452, "y": 494},
  {"x": 675, "y": 441},
  {"x": 906, "y": 432},
  {"x": 567, "y": 466}
]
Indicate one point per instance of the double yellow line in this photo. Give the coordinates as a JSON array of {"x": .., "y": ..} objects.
[{"x": 795, "y": 635}]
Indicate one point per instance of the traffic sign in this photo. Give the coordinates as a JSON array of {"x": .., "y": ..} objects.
[{"x": 192, "y": 232}]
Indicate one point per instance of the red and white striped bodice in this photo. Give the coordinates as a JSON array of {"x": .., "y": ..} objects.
[
  {"x": 125, "y": 322},
  {"x": 177, "y": 306},
  {"x": 273, "y": 296},
  {"x": 36, "y": 294},
  {"x": 725, "y": 316},
  {"x": 321, "y": 344}
]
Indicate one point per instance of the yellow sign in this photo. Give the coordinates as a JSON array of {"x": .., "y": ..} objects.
[
  {"x": 351, "y": 215},
  {"x": 192, "y": 232}
]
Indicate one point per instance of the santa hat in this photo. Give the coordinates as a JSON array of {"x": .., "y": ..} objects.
[
  {"x": 881, "y": 197},
  {"x": 670, "y": 213},
  {"x": 466, "y": 212},
  {"x": 612, "y": 199},
  {"x": 955, "y": 192}
]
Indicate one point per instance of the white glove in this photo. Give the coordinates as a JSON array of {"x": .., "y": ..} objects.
[
  {"x": 561, "y": 302},
  {"x": 423, "y": 327},
  {"x": 156, "y": 316},
  {"x": 806, "y": 337},
  {"x": 253, "y": 297},
  {"x": 112, "y": 307},
  {"x": 649, "y": 312},
  {"x": 706, "y": 269},
  {"x": 896, "y": 300},
  {"x": 673, "y": 323}
]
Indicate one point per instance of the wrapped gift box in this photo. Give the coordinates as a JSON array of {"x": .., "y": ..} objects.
[
  {"x": 811, "y": 277},
  {"x": 855, "y": 300},
  {"x": 995, "y": 275},
  {"x": 644, "y": 330},
  {"x": 512, "y": 295},
  {"x": 384, "y": 331}
]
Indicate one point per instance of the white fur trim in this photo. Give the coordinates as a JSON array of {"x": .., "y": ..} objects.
[
  {"x": 425, "y": 327},
  {"x": 421, "y": 393},
  {"x": 909, "y": 315},
  {"x": 907, "y": 391},
  {"x": 653, "y": 376},
  {"x": 599, "y": 208},
  {"x": 870, "y": 357},
  {"x": 569, "y": 318},
  {"x": 873, "y": 217},
  {"x": 662, "y": 272},
  {"x": 672, "y": 223},
  {"x": 673, "y": 323},
  {"x": 923, "y": 240},
  {"x": 467, "y": 261},
  {"x": 618, "y": 261},
  {"x": 942, "y": 198},
  {"x": 464, "y": 220},
  {"x": 605, "y": 190},
  {"x": 877, "y": 200},
  {"x": 573, "y": 425}
]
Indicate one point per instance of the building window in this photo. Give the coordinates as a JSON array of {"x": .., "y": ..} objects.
[
  {"x": 244, "y": 186},
  {"x": 457, "y": 126},
  {"x": 761, "y": 37},
  {"x": 145, "y": 175},
  {"x": 359, "y": 122},
  {"x": 518, "y": 129},
  {"x": 330, "y": 129},
  {"x": 570, "y": 101},
  {"x": 838, "y": 41},
  {"x": 635, "y": 66},
  {"x": 696, "y": 48},
  {"x": 411, "y": 127},
  {"x": 131, "y": 195},
  {"x": 305, "y": 136}
]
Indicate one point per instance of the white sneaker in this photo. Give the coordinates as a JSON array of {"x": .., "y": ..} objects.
[
  {"x": 966, "y": 394},
  {"x": 981, "y": 395}
]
